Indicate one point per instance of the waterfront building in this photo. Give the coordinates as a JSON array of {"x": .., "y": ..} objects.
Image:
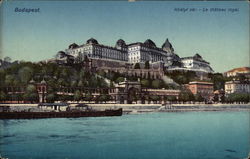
[
  {"x": 205, "y": 89},
  {"x": 15, "y": 93},
  {"x": 238, "y": 71},
  {"x": 237, "y": 86},
  {"x": 196, "y": 63}
]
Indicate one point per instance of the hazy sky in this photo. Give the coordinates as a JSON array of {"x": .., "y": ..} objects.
[{"x": 221, "y": 37}]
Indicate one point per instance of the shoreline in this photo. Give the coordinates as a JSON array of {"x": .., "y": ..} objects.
[{"x": 148, "y": 108}]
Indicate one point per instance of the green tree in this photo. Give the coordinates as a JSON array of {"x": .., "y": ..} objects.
[
  {"x": 25, "y": 74},
  {"x": 77, "y": 95},
  {"x": 2, "y": 96},
  {"x": 104, "y": 97},
  {"x": 137, "y": 66},
  {"x": 7, "y": 59},
  {"x": 154, "y": 98},
  {"x": 119, "y": 79},
  {"x": 51, "y": 97},
  {"x": 170, "y": 98},
  {"x": 147, "y": 66},
  {"x": 88, "y": 97},
  {"x": 31, "y": 94},
  {"x": 185, "y": 96},
  {"x": 219, "y": 81},
  {"x": 145, "y": 83},
  {"x": 9, "y": 79},
  {"x": 199, "y": 98},
  {"x": 157, "y": 83}
]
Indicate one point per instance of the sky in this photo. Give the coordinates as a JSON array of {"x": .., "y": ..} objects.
[{"x": 220, "y": 37}]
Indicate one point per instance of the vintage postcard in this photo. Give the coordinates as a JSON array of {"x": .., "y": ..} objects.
[{"x": 124, "y": 79}]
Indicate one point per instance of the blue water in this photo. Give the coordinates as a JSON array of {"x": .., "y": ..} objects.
[{"x": 194, "y": 135}]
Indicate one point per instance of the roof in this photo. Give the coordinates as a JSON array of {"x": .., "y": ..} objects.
[
  {"x": 150, "y": 43},
  {"x": 120, "y": 42},
  {"x": 200, "y": 82},
  {"x": 195, "y": 57},
  {"x": 167, "y": 44},
  {"x": 237, "y": 82},
  {"x": 240, "y": 69},
  {"x": 92, "y": 41}
]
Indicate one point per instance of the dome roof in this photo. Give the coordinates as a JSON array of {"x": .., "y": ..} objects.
[
  {"x": 72, "y": 46},
  {"x": 92, "y": 41},
  {"x": 32, "y": 81},
  {"x": 197, "y": 56},
  {"x": 120, "y": 43},
  {"x": 167, "y": 44},
  {"x": 60, "y": 54},
  {"x": 43, "y": 82},
  {"x": 149, "y": 43}
]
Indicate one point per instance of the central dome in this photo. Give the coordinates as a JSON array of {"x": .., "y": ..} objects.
[
  {"x": 92, "y": 41},
  {"x": 149, "y": 43},
  {"x": 120, "y": 42}
]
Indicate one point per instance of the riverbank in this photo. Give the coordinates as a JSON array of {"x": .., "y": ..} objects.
[{"x": 142, "y": 108}]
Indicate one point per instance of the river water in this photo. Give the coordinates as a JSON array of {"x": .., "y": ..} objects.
[{"x": 191, "y": 135}]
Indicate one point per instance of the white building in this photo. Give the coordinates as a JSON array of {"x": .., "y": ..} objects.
[
  {"x": 237, "y": 87},
  {"x": 148, "y": 51},
  {"x": 132, "y": 53},
  {"x": 196, "y": 63},
  {"x": 93, "y": 49},
  {"x": 139, "y": 53}
]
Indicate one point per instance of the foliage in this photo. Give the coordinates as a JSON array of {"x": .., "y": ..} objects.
[
  {"x": 186, "y": 96},
  {"x": 77, "y": 95},
  {"x": 154, "y": 98},
  {"x": 238, "y": 98},
  {"x": 182, "y": 77},
  {"x": 145, "y": 83},
  {"x": 3, "y": 96},
  {"x": 137, "y": 66},
  {"x": 199, "y": 98},
  {"x": 31, "y": 94},
  {"x": 170, "y": 98},
  {"x": 104, "y": 97},
  {"x": 147, "y": 66},
  {"x": 157, "y": 83},
  {"x": 119, "y": 79}
]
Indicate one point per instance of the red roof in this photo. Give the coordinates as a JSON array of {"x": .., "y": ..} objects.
[{"x": 240, "y": 69}]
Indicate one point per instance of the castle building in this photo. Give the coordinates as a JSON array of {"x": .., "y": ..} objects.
[
  {"x": 93, "y": 49},
  {"x": 131, "y": 53},
  {"x": 148, "y": 51},
  {"x": 196, "y": 62}
]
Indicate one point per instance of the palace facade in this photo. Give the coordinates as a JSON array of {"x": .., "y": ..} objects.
[
  {"x": 132, "y": 53},
  {"x": 196, "y": 62}
]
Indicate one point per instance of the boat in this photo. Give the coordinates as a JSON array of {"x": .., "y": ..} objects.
[
  {"x": 2, "y": 157},
  {"x": 61, "y": 114}
]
